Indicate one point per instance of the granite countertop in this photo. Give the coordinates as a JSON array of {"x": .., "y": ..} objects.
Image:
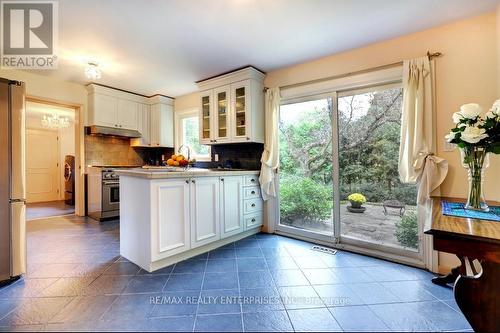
[{"x": 191, "y": 172}]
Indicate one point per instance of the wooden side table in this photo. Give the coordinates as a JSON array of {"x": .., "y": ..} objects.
[{"x": 477, "y": 292}]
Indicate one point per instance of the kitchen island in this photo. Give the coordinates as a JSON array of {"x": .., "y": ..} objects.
[{"x": 170, "y": 216}]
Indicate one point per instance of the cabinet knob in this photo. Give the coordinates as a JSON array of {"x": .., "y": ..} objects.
[
  {"x": 253, "y": 205},
  {"x": 252, "y": 180},
  {"x": 253, "y": 220},
  {"x": 215, "y": 140},
  {"x": 248, "y": 138},
  {"x": 222, "y": 179},
  {"x": 253, "y": 192},
  {"x": 193, "y": 181},
  {"x": 187, "y": 181}
]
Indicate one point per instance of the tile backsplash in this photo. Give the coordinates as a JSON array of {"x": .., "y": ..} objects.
[
  {"x": 106, "y": 150},
  {"x": 238, "y": 155}
]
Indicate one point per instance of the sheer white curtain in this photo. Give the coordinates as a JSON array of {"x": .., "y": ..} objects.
[
  {"x": 270, "y": 156},
  {"x": 417, "y": 159}
]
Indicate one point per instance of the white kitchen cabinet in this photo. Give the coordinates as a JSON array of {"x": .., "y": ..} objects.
[
  {"x": 221, "y": 114},
  {"x": 171, "y": 215},
  {"x": 205, "y": 227},
  {"x": 103, "y": 110},
  {"x": 206, "y": 121},
  {"x": 231, "y": 209},
  {"x": 162, "y": 125},
  {"x": 143, "y": 125},
  {"x": 166, "y": 220},
  {"x": 127, "y": 115},
  {"x": 153, "y": 117},
  {"x": 232, "y": 108},
  {"x": 110, "y": 111}
]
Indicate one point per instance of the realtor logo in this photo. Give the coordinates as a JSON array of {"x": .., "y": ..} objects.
[{"x": 29, "y": 34}]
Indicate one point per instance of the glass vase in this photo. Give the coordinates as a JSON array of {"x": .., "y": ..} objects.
[{"x": 475, "y": 160}]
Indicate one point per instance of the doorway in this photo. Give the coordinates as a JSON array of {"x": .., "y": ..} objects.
[
  {"x": 340, "y": 144},
  {"x": 50, "y": 148}
]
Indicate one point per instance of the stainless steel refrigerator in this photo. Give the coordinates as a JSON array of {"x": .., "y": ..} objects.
[{"x": 12, "y": 180}]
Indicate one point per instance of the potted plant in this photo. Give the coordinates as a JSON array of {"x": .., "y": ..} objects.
[
  {"x": 357, "y": 200},
  {"x": 477, "y": 137}
]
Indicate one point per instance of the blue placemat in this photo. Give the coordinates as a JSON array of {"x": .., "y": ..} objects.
[{"x": 457, "y": 209}]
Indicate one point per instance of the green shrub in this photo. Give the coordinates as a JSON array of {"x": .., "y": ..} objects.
[
  {"x": 304, "y": 198},
  {"x": 407, "y": 230}
]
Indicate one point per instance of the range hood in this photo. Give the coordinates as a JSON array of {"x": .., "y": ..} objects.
[{"x": 112, "y": 131}]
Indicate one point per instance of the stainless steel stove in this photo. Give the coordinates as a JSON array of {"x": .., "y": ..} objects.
[{"x": 104, "y": 192}]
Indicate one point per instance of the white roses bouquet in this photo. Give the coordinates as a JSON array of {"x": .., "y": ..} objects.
[
  {"x": 476, "y": 136},
  {"x": 471, "y": 129}
]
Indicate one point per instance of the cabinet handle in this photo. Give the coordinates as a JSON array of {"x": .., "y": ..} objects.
[
  {"x": 193, "y": 181},
  {"x": 248, "y": 138},
  {"x": 215, "y": 140},
  {"x": 187, "y": 181},
  {"x": 253, "y": 192},
  {"x": 253, "y": 205}
]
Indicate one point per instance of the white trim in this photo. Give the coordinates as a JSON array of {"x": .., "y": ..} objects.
[
  {"x": 178, "y": 116},
  {"x": 383, "y": 76}
]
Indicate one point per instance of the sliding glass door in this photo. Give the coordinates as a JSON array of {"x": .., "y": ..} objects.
[
  {"x": 369, "y": 126},
  {"x": 306, "y": 183},
  {"x": 338, "y": 176}
]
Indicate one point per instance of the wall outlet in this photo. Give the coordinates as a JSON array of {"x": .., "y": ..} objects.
[
  {"x": 216, "y": 157},
  {"x": 449, "y": 146}
]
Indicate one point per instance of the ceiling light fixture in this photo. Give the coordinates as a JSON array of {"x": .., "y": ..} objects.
[
  {"x": 92, "y": 71},
  {"x": 55, "y": 121}
]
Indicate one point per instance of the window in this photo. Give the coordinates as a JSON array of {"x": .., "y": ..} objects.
[{"x": 188, "y": 135}]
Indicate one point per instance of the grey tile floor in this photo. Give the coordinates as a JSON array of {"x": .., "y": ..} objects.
[
  {"x": 77, "y": 281},
  {"x": 48, "y": 209}
]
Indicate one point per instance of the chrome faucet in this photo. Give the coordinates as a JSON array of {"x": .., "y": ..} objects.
[{"x": 179, "y": 151}]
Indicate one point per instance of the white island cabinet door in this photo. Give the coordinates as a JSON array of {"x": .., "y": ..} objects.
[
  {"x": 231, "y": 200},
  {"x": 205, "y": 226},
  {"x": 170, "y": 213}
]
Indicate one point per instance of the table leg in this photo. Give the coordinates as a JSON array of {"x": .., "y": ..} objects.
[
  {"x": 450, "y": 278},
  {"x": 477, "y": 297}
]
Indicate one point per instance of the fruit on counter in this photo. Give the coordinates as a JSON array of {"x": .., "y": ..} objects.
[{"x": 177, "y": 160}]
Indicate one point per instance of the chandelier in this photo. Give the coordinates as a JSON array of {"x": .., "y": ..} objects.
[{"x": 55, "y": 121}]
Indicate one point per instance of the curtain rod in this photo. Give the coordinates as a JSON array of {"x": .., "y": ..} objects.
[{"x": 340, "y": 76}]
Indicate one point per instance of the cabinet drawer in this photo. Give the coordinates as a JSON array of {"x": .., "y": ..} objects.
[
  {"x": 252, "y": 180},
  {"x": 252, "y": 206},
  {"x": 252, "y": 192},
  {"x": 253, "y": 221}
]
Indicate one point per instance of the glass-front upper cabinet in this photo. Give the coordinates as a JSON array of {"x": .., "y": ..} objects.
[
  {"x": 205, "y": 117},
  {"x": 240, "y": 124},
  {"x": 221, "y": 119}
]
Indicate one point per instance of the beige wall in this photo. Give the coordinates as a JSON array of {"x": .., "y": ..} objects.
[
  {"x": 466, "y": 73},
  {"x": 186, "y": 102}
]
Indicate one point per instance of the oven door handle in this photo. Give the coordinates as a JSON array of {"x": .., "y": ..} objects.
[{"x": 111, "y": 183}]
